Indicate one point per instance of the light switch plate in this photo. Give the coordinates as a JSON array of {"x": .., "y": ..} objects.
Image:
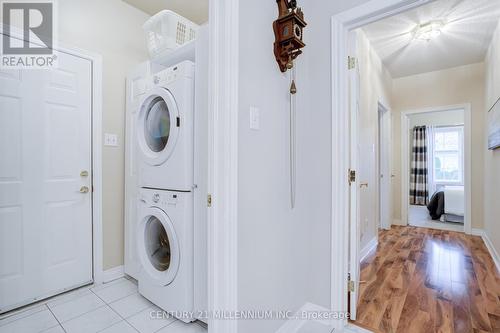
[
  {"x": 254, "y": 118},
  {"x": 110, "y": 140}
]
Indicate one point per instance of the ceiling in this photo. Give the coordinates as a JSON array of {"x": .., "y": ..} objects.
[
  {"x": 194, "y": 10},
  {"x": 465, "y": 38}
]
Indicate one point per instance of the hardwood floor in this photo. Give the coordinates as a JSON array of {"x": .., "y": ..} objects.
[{"x": 425, "y": 280}]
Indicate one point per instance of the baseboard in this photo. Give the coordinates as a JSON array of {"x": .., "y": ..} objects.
[
  {"x": 489, "y": 246},
  {"x": 397, "y": 222},
  {"x": 477, "y": 232},
  {"x": 113, "y": 274},
  {"x": 372, "y": 244},
  {"x": 305, "y": 325}
]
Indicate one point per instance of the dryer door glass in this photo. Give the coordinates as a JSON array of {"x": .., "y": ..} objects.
[
  {"x": 157, "y": 244},
  {"x": 157, "y": 125}
]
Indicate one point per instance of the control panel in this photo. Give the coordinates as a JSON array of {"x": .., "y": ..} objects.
[{"x": 164, "y": 77}]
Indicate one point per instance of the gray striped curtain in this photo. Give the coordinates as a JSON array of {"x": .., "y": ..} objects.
[{"x": 419, "y": 193}]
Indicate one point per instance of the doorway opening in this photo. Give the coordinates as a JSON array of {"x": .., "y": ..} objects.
[
  {"x": 390, "y": 72},
  {"x": 436, "y": 168}
]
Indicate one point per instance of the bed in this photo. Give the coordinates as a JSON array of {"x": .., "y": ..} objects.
[
  {"x": 448, "y": 204},
  {"x": 454, "y": 204}
]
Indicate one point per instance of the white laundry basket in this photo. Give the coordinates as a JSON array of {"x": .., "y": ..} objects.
[{"x": 166, "y": 31}]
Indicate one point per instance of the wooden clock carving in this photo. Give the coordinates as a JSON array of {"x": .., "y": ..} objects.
[{"x": 288, "y": 30}]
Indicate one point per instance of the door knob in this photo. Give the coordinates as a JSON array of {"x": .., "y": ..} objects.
[
  {"x": 84, "y": 189},
  {"x": 84, "y": 173},
  {"x": 363, "y": 185}
]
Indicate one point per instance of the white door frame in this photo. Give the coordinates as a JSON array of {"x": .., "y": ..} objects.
[
  {"x": 405, "y": 162},
  {"x": 96, "y": 174},
  {"x": 382, "y": 106},
  {"x": 341, "y": 24},
  {"x": 354, "y": 189},
  {"x": 223, "y": 163}
]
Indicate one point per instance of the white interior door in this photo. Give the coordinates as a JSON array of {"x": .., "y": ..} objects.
[
  {"x": 354, "y": 230},
  {"x": 385, "y": 167},
  {"x": 45, "y": 150}
]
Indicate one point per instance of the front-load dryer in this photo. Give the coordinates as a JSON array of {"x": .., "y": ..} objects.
[
  {"x": 165, "y": 135},
  {"x": 165, "y": 250}
]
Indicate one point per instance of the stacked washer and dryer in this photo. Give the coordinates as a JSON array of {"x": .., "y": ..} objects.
[{"x": 165, "y": 241}]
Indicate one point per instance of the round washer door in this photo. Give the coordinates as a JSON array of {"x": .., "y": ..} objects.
[
  {"x": 157, "y": 126},
  {"x": 158, "y": 246}
]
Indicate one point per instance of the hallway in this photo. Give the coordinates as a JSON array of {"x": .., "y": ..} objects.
[{"x": 424, "y": 280}]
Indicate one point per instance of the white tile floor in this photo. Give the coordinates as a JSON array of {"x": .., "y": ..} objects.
[
  {"x": 115, "y": 307},
  {"x": 419, "y": 217}
]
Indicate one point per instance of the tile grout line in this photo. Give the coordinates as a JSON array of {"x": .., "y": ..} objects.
[
  {"x": 44, "y": 304},
  {"x": 60, "y": 324},
  {"x": 41, "y": 304},
  {"x": 175, "y": 319},
  {"x": 118, "y": 299},
  {"x": 135, "y": 292},
  {"x": 129, "y": 323},
  {"x": 68, "y": 293},
  {"x": 40, "y": 309},
  {"x": 123, "y": 319},
  {"x": 126, "y": 319},
  {"x": 82, "y": 314}
]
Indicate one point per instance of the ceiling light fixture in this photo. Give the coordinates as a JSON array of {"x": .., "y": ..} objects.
[{"x": 429, "y": 30}]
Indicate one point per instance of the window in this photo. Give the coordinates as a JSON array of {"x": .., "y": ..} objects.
[{"x": 448, "y": 155}]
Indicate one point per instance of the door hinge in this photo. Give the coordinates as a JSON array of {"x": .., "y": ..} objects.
[
  {"x": 352, "y": 176},
  {"x": 209, "y": 200},
  {"x": 350, "y": 284},
  {"x": 351, "y": 62}
]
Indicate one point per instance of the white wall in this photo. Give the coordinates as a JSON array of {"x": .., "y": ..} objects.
[
  {"x": 492, "y": 158},
  {"x": 439, "y": 118},
  {"x": 284, "y": 254},
  {"x": 112, "y": 29},
  {"x": 375, "y": 87},
  {"x": 457, "y": 85}
]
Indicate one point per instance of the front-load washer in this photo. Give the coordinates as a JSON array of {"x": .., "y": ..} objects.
[
  {"x": 165, "y": 135},
  {"x": 165, "y": 250}
]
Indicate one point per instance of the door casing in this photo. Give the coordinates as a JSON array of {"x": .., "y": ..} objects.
[
  {"x": 341, "y": 25},
  {"x": 405, "y": 162},
  {"x": 384, "y": 146}
]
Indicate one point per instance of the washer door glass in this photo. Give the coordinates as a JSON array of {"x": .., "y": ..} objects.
[
  {"x": 157, "y": 125},
  {"x": 157, "y": 244}
]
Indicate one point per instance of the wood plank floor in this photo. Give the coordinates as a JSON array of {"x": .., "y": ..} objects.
[{"x": 425, "y": 280}]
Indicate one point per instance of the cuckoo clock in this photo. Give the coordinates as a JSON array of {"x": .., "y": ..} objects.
[{"x": 288, "y": 33}]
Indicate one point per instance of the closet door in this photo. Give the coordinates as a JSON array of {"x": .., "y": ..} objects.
[{"x": 45, "y": 181}]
